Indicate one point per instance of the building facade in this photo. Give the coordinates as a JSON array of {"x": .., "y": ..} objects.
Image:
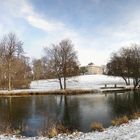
[{"x": 93, "y": 69}]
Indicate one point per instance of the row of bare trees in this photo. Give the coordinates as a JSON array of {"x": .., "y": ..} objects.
[
  {"x": 59, "y": 61},
  {"x": 126, "y": 63},
  {"x": 15, "y": 71}
]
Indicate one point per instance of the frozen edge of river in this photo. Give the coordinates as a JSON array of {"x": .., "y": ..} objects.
[{"x": 129, "y": 131}]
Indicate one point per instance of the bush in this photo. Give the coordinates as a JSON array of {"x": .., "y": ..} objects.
[
  {"x": 96, "y": 126},
  {"x": 120, "y": 120},
  {"x": 54, "y": 130}
]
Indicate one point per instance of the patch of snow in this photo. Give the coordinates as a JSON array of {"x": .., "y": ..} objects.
[{"x": 79, "y": 82}]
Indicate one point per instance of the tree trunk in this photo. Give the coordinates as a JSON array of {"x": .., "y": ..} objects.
[
  {"x": 9, "y": 75},
  {"x": 9, "y": 82},
  {"x": 125, "y": 80},
  {"x": 128, "y": 81},
  {"x": 60, "y": 83},
  {"x": 65, "y": 82},
  {"x": 135, "y": 83}
]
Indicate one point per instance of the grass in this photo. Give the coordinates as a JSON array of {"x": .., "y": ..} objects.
[
  {"x": 135, "y": 115},
  {"x": 57, "y": 129},
  {"x": 96, "y": 126},
  {"x": 125, "y": 119},
  {"x": 5, "y": 128},
  {"x": 120, "y": 120},
  {"x": 54, "y": 130}
]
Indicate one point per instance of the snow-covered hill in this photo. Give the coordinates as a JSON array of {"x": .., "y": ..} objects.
[{"x": 79, "y": 82}]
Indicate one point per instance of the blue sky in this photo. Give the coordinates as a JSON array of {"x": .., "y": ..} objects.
[{"x": 96, "y": 27}]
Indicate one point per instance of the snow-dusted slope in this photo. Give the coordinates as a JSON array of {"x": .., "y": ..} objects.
[{"x": 77, "y": 82}]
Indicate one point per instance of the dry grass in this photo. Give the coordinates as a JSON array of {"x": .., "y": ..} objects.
[
  {"x": 54, "y": 130},
  {"x": 57, "y": 129},
  {"x": 5, "y": 127},
  {"x": 120, "y": 120},
  {"x": 96, "y": 126},
  {"x": 135, "y": 115}
]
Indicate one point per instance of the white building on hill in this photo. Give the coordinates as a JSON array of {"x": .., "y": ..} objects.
[{"x": 93, "y": 69}]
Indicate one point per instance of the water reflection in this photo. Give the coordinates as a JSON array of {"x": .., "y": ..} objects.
[
  {"x": 76, "y": 112},
  {"x": 124, "y": 103}
]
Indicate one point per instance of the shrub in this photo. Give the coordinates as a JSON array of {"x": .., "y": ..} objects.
[
  {"x": 120, "y": 120},
  {"x": 57, "y": 129},
  {"x": 96, "y": 126}
]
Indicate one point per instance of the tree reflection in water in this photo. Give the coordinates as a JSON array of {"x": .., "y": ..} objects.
[{"x": 36, "y": 113}]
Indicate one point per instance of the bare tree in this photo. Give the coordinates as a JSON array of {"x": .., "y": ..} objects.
[
  {"x": 21, "y": 77},
  {"x": 62, "y": 61},
  {"x": 11, "y": 60},
  {"x": 126, "y": 63},
  {"x": 117, "y": 67},
  {"x": 37, "y": 69},
  {"x": 11, "y": 46}
]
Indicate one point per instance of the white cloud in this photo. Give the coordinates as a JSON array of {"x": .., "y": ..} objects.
[
  {"x": 43, "y": 24},
  {"x": 23, "y": 9}
]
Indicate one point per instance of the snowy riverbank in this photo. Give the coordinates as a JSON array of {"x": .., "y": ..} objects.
[
  {"x": 79, "y": 82},
  {"x": 130, "y": 131},
  {"x": 75, "y": 85}
]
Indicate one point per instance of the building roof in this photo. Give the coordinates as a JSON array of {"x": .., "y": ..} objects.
[{"x": 90, "y": 64}]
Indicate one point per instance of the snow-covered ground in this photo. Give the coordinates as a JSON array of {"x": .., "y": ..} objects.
[
  {"x": 130, "y": 131},
  {"x": 79, "y": 82}
]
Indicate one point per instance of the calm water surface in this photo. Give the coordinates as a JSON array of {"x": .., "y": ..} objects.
[{"x": 76, "y": 112}]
